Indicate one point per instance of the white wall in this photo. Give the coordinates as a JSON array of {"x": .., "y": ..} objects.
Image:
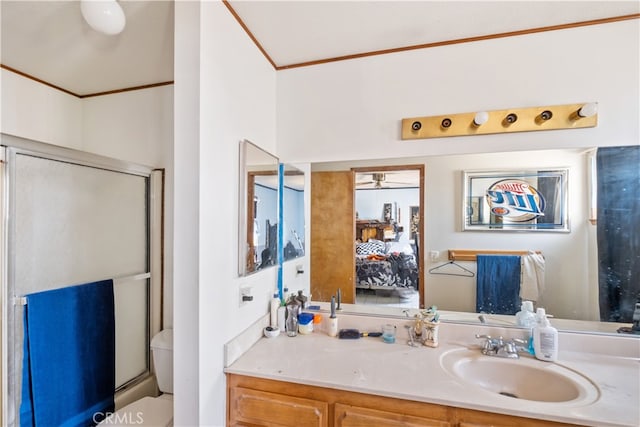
[
  {"x": 224, "y": 92},
  {"x": 186, "y": 381},
  {"x": 134, "y": 126},
  {"x": 35, "y": 111},
  {"x": 352, "y": 109}
]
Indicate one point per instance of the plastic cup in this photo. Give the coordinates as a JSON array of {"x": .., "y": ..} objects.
[{"x": 389, "y": 333}]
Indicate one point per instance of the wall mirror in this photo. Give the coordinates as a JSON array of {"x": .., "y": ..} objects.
[
  {"x": 573, "y": 293},
  {"x": 293, "y": 213},
  {"x": 258, "y": 210}
]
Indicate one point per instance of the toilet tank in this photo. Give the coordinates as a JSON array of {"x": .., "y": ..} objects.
[{"x": 162, "y": 350}]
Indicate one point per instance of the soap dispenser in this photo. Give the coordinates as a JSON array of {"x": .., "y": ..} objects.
[{"x": 545, "y": 338}]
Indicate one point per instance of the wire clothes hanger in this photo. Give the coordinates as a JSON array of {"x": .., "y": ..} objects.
[{"x": 464, "y": 273}]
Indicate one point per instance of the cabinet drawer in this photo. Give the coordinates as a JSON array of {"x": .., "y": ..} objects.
[
  {"x": 271, "y": 409},
  {"x": 355, "y": 416}
]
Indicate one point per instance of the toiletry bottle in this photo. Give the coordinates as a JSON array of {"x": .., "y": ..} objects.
[
  {"x": 317, "y": 322},
  {"x": 545, "y": 338},
  {"x": 525, "y": 317},
  {"x": 332, "y": 321},
  {"x": 282, "y": 314},
  {"x": 275, "y": 304}
]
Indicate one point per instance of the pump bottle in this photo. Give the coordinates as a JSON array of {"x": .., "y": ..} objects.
[{"x": 545, "y": 338}]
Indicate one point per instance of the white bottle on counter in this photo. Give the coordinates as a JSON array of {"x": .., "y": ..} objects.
[
  {"x": 545, "y": 338},
  {"x": 275, "y": 303}
]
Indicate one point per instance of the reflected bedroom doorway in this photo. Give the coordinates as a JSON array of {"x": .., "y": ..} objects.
[{"x": 388, "y": 223}]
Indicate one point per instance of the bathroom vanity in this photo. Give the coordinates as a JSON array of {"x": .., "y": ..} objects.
[
  {"x": 257, "y": 401},
  {"x": 316, "y": 380}
]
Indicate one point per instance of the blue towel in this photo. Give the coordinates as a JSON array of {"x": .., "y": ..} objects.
[
  {"x": 68, "y": 372},
  {"x": 498, "y": 284}
]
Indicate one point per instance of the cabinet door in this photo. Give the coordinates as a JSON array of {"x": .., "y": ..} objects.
[
  {"x": 471, "y": 418},
  {"x": 355, "y": 416},
  {"x": 259, "y": 408}
]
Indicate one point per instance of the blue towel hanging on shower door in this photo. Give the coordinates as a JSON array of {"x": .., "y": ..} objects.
[
  {"x": 498, "y": 284},
  {"x": 68, "y": 372}
]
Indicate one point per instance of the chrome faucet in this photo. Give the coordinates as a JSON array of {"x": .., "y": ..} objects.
[{"x": 498, "y": 347}]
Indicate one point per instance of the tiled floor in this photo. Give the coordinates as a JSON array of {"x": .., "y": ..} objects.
[{"x": 388, "y": 298}]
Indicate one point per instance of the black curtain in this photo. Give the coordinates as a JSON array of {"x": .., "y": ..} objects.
[{"x": 618, "y": 170}]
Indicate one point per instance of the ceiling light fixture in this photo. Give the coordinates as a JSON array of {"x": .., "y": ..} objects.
[
  {"x": 104, "y": 16},
  {"x": 552, "y": 117}
]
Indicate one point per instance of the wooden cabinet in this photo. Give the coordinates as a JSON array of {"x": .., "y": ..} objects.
[
  {"x": 259, "y": 408},
  {"x": 356, "y": 416},
  {"x": 373, "y": 229},
  {"x": 258, "y": 402}
]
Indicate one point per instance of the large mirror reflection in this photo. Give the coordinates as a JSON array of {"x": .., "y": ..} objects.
[
  {"x": 588, "y": 271},
  {"x": 258, "y": 210}
]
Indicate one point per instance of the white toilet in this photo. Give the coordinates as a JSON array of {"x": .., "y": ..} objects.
[{"x": 152, "y": 411}]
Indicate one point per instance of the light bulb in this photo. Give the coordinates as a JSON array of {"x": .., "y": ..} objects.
[
  {"x": 588, "y": 110},
  {"x": 104, "y": 16},
  {"x": 481, "y": 118}
]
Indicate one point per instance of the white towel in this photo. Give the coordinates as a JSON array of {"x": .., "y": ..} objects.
[{"x": 532, "y": 281}]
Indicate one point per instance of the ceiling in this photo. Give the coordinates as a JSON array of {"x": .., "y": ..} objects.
[{"x": 49, "y": 40}]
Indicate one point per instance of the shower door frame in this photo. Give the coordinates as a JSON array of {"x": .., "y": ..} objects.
[{"x": 10, "y": 147}]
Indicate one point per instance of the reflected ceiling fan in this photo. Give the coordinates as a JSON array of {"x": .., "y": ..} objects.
[{"x": 378, "y": 179}]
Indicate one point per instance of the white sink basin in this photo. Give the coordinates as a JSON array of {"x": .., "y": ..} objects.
[{"x": 525, "y": 378}]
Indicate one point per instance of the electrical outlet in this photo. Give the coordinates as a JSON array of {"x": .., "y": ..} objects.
[
  {"x": 434, "y": 255},
  {"x": 245, "y": 295}
]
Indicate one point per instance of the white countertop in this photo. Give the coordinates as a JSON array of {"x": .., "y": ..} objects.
[{"x": 368, "y": 365}]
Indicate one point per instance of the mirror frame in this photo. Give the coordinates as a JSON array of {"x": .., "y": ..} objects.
[{"x": 246, "y": 185}]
